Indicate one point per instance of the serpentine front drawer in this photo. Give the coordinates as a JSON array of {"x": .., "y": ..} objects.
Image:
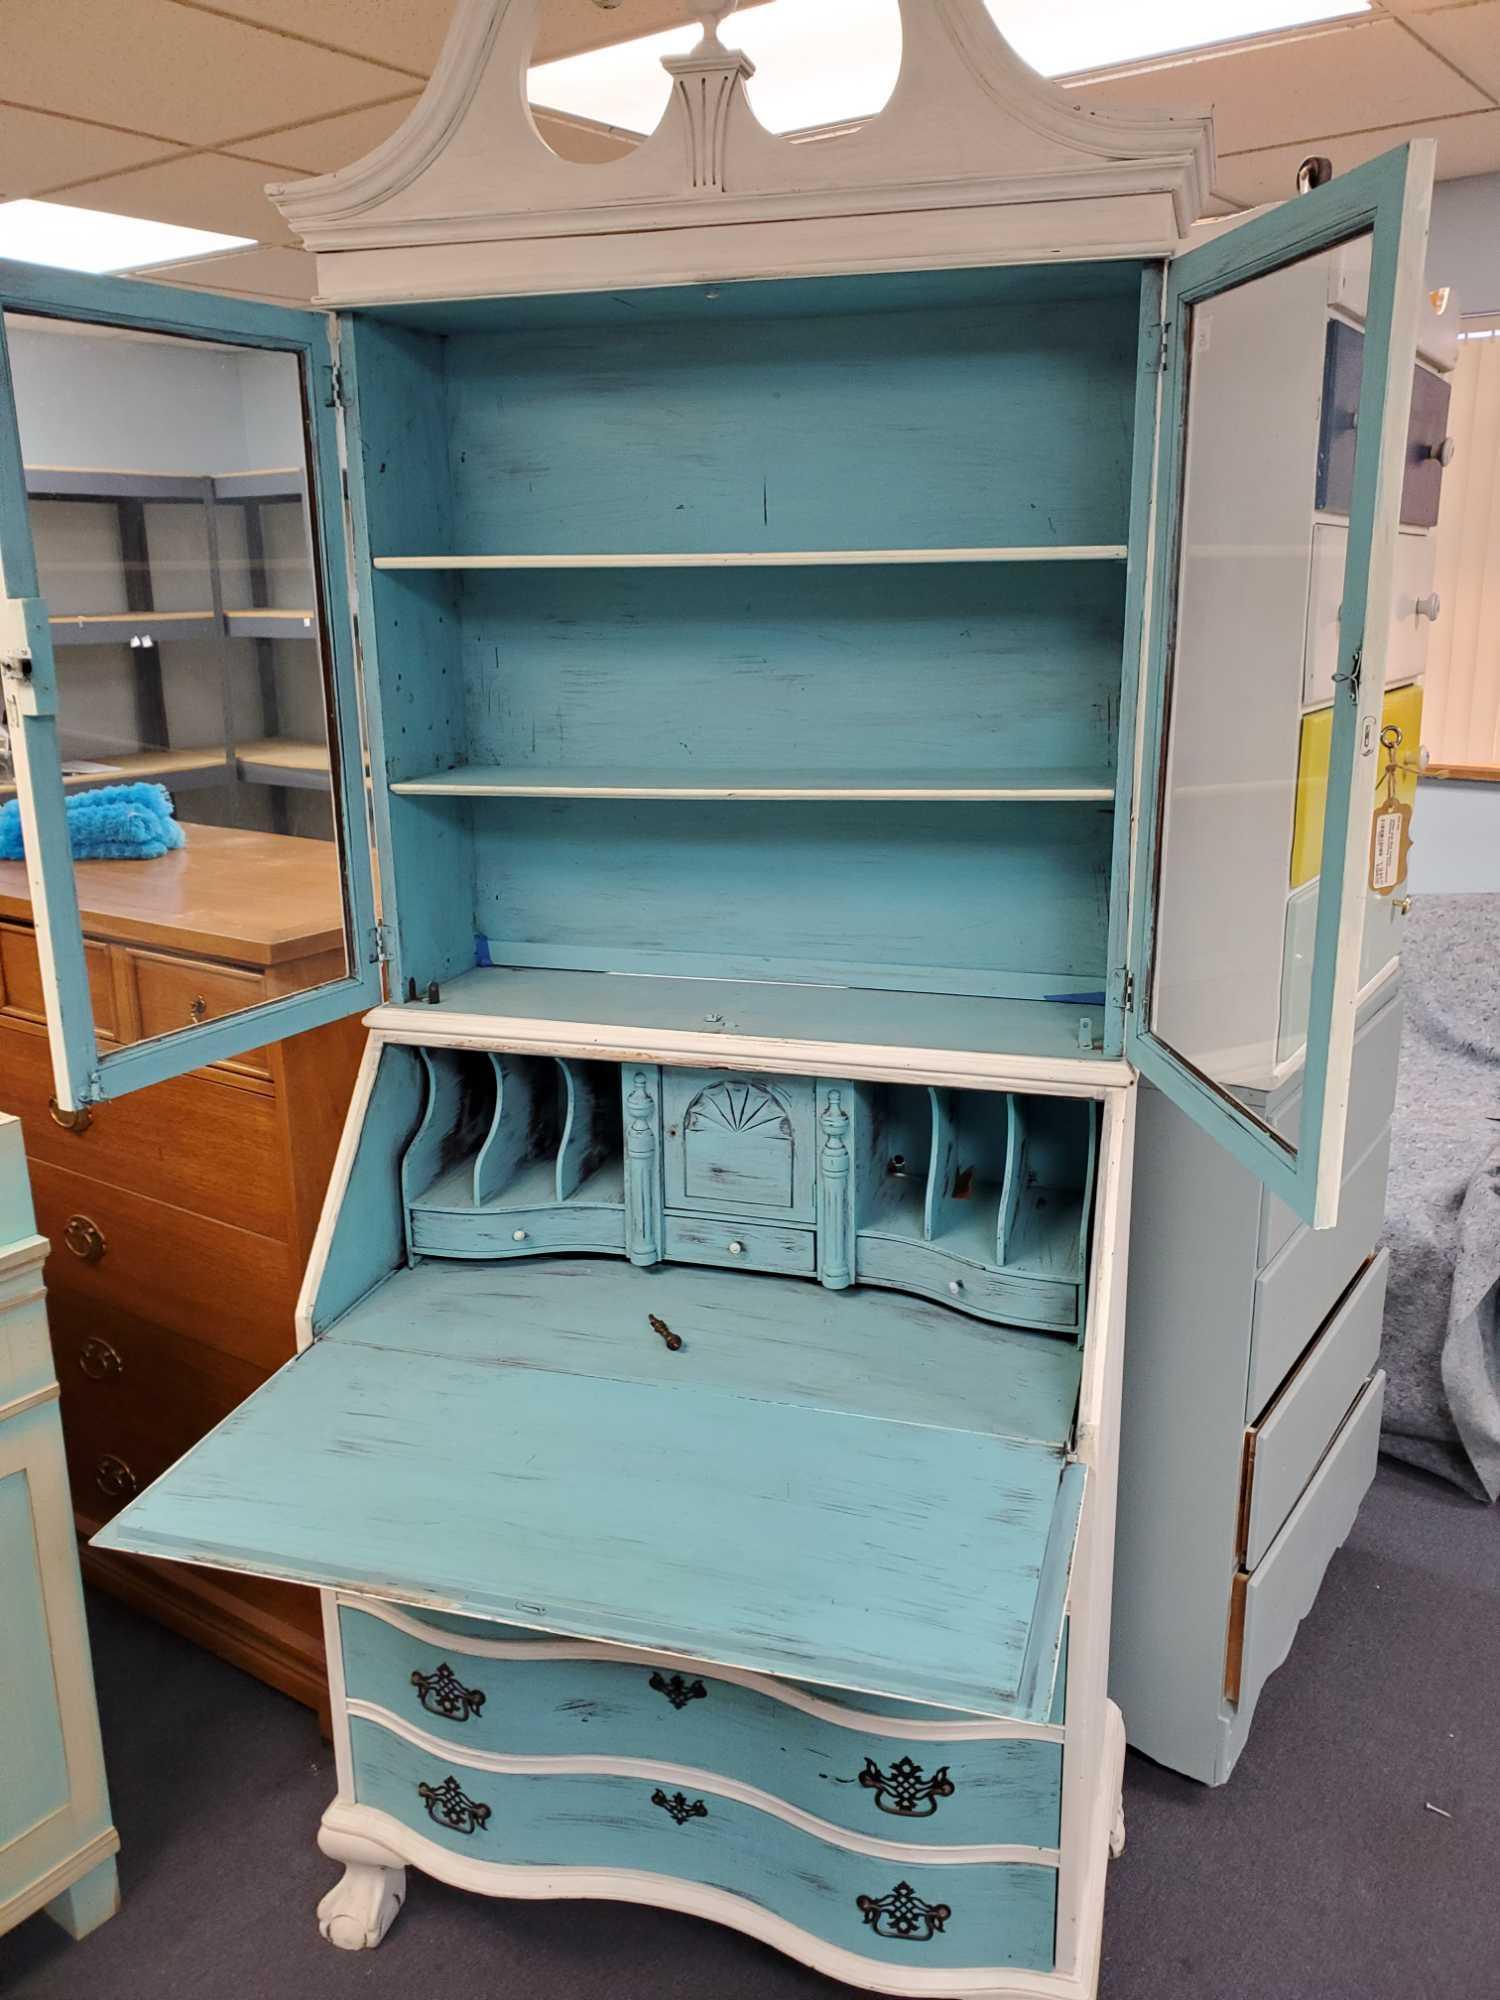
[
  {"x": 911, "y": 1266},
  {"x": 517, "y": 1232},
  {"x": 750, "y": 1246},
  {"x": 880, "y": 1905},
  {"x": 891, "y": 1782}
]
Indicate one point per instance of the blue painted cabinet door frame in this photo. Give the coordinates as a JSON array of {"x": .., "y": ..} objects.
[
  {"x": 83, "y": 1073},
  {"x": 1390, "y": 197}
]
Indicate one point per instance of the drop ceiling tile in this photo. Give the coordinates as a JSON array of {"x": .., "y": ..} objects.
[
  {"x": 288, "y": 277},
  {"x": 1268, "y": 93},
  {"x": 204, "y": 191},
  {"x": 409, "y": 33},
  {"x": 161, "y": 68},
  {"x": 326, "y": 143},
  {"x": 1469, "y": 37},
  {"x": 1467, "y": 145},
  {"x": 40, "y": 151}
]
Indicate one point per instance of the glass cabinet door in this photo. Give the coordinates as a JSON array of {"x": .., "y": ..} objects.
[
  {"x": 185, "y": 868},
  {"x": 1269, "y": 820}
]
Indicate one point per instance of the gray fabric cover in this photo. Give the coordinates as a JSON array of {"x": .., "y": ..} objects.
[{"x": 1442, "y": 1222}]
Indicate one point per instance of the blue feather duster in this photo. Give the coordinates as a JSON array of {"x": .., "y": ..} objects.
[{"x": 114, "y": 823}]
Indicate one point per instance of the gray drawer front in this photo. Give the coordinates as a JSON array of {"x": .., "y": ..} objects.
[
  {"x": 1300, "y": 1287},
  {"x": 1372, "y": 1099},
  {"x": 747, "y": 1246},
  {"x": 1274, "y": 1601},
  {"x": 1286, "y": 1447}
]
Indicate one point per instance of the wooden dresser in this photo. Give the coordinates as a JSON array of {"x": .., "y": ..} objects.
[{"x": 181, "y": 1217}]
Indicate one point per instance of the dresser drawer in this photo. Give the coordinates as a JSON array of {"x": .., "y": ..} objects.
[
  {"x": 958, "y": 1281},
  {"x": 885, "y": 1908},
  {"x": 1406, "y": 659},
  {"x": 203, "y": 1279},
  {"x": 1268, "y": 1605},
  {"x": 747, "y": 1246},
  {"x": 21, "y": 980},
  {"x": 955, "y": 1792},
  {"x": 1302, "y": 1284},
  {"x": 176, "y": 993},
  {"x": 135, "y": 1397},
  {"x": 195, "y": 1141},
  {"x": 522, "y": 1232},
  {"x": 1282, "y": 1451},
  {"x": 739, "y": 1145}
]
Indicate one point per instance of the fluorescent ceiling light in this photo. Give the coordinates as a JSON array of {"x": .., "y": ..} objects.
[
  {"x": 820, "y": 62},
  {"x": 86, "y": 239}
]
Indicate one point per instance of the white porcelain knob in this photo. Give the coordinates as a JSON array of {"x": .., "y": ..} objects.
[
  {"x": 1443, "y": 452},
  {"x": 1429, "y": 606},
  {"x": 736, "y": 1248},
  {"x": 518, "y": 1235},
  {"x": 955, "y": 1285}
]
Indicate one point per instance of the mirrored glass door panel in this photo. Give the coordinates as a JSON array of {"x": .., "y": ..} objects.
[{"x": 171, "y": 489}]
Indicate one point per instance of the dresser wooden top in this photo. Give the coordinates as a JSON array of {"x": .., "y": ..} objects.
[{"x": 255, "y": 898}]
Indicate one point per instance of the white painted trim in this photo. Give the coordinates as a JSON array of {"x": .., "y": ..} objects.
[
  {"x": 1093, "y": 1761},
  {"x": 338, "y": 1693},
  {"x": 36, "y": 1895},
  {"x": 971, "y": 1070},
  {"x": 974, "y": 159},
  {"x": 22, "y": 1254},
  {"x": 346, "y": 1821},
  {"x": 48, "y": 1393},
  {"x": 771, "y": 559},
  {"x": 859, "y": 1721},
  {"x": 491, "y": 781},
  {"x": 689, "y": 1777}
]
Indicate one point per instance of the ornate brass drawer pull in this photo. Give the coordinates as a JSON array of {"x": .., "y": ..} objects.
[
  {"x": 442, "y": 1693},
  {"x": 903, "y": 1791},
  {"x": 84, "y": 1238},
  {"x": 903, "y": 1915},
  {"x": 678, "y": 1691},
  {"x": 680, "y": 1808},
  {"x": 450, "y": 1805},
  {"x": 99, "y": 1361},
  {"x": 114, "y": 1478},
  {"x": 71, "y": 1121}
]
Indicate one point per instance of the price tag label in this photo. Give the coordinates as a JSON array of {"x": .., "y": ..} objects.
[{"x": 1390, "y": 836}]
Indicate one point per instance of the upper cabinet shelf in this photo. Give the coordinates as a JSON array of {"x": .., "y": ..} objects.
[
  {"x": 521, "y": 782},
  {"x": 767, "y": 558}
]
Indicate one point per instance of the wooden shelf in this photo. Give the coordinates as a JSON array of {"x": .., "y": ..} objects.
[
  {"x": 768, "y": 559},
  {"x": 282, "y": 760},
  {"x": 117, "y": 628},
  {"x": 499, "y": 781},
  {"x": 260, "y": 622},
  {"x": 181, "y": 770},
  {"x": 114, "y": 482}
]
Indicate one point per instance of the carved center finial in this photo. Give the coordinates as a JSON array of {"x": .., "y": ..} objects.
[{"x": 710, "y": 14}]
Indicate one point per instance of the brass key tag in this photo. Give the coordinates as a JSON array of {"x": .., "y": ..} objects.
[{"x": 1390, "y": 836}]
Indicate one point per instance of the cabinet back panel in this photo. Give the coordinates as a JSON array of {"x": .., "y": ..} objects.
[
  {"x": 964, "y": 426},
  {"x": 1007, "y": 899},
  {"x": 889, "y": 669}
]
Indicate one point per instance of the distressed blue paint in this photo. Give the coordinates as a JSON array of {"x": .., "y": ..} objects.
[
  {"x": 999, "y": 1914},
  {"x": 892, "y": 669},
  {"x": 737, "y": 1537},
  {"x": 996, "y": 425},
  {"x": 628, "y": 885},
  {"x": 33, "y": 1762},
  {"x": 1005, "y": 1792},
  {"x": 369, "y": 1229},
  {"x": 1390, "y": 199},
  {"x": 773, "y": 1339}
]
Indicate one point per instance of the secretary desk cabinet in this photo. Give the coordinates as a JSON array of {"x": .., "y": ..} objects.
[{"x": 809, "y": 762}]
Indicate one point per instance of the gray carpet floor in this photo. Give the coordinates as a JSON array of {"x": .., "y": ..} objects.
[{"x": 1318, "y": 1873}]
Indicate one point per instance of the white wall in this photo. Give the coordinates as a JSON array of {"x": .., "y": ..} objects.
[{"x": 1456, "y": 827}]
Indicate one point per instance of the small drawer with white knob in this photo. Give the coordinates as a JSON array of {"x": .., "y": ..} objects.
[
  {"x": 518, "y": 1232},
  {"x": 748, "y": 1246},
  {"x": 1415, "y": 609},
  {"x": 1018, "y": 1297}
]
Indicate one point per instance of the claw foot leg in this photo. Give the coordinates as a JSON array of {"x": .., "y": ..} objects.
[{"x": 359, "y": 1910}]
